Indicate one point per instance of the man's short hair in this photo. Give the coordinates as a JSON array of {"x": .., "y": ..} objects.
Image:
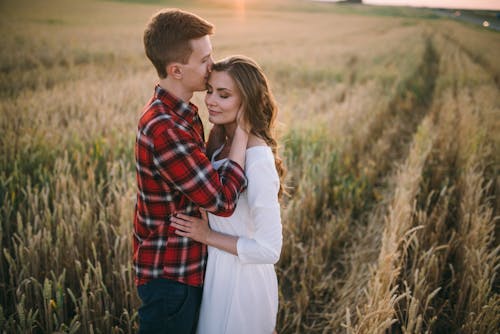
[{"x": 168, "y": 34}]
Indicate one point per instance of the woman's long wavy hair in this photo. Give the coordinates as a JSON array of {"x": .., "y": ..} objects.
[{"x": 258, "y": 102}]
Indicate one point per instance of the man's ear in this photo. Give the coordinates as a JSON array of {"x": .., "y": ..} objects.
[{"x": 174, "y": 70}]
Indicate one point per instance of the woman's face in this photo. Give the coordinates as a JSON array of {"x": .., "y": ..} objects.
[{"x": 223, "y": 98}]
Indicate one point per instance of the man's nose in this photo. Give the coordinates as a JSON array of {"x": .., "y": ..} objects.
[{"x": 210, "y": 64}]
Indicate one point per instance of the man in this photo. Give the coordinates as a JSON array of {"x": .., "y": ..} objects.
[{"x": 174, "y": 175}]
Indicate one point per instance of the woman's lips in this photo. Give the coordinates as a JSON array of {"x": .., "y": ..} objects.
[{"x": 213, "y": 112}]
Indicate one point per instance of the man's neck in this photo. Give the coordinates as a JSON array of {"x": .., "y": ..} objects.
[{"x": 175, "y": 88}]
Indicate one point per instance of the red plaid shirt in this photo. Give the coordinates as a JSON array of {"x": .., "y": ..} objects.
[{"x": 174, "y": 175}]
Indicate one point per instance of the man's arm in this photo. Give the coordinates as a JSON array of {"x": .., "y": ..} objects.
[{"x": 182, "y": 163}]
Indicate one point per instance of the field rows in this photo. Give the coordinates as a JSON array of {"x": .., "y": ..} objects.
[{"x": 390, "y": 132}]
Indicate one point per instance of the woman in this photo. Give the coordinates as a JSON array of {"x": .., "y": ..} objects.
[{"x": 240, "y": 293}]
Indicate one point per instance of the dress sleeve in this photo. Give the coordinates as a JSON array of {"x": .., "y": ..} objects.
[
  {"x": 262, "y": 191},
  {"x": 181, "y": 162}
]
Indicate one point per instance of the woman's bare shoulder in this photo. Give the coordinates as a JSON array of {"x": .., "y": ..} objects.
[{"x": 253, "y": 140}]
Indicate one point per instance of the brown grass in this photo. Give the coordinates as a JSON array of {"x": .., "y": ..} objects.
[{"x": 389, "y": 123}]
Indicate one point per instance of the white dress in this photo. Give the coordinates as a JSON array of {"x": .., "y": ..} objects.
[{"x": 240, "y": 293}]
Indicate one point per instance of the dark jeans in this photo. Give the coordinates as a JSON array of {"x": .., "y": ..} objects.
[{"x": 168, "y": 307}]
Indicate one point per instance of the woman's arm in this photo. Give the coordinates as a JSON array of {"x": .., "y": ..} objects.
[
  {"x": 265, "y": 246},
  {"x": 198, "y": 229},
  {"x": 262, "y": 193}
]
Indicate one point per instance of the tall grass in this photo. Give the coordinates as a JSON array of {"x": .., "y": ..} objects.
[
  {"x": 420, "y": 281},
  {"x": 389, "y": 133}
]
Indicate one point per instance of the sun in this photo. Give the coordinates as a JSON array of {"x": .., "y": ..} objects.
[{"x": 239, "y": 6}]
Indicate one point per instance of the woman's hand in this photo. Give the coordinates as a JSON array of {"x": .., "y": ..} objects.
[
  {"x": 198, "y": 230},
  {"x": 242, "y": 120},
  {"x": 192, "y": 227}
]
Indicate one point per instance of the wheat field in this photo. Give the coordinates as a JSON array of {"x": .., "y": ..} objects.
[{"x": 389, "y": 126}]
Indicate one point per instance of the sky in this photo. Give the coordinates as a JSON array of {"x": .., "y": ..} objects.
[{"x": 459, "y": 4}]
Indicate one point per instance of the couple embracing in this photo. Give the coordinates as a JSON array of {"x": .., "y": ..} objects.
[{"x": 196, "y": 198}]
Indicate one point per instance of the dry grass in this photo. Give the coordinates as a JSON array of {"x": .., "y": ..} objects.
[{"x": 390, "y": 124}]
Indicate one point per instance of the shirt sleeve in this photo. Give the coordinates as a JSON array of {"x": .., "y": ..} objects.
[
  {"x": 181, "y": 162},
  {"x": 262, "y": 191}
]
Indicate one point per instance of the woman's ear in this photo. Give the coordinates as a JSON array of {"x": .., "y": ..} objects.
[{"x": 174, "y": 70}]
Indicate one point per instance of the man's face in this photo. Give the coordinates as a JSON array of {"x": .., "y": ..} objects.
[{"x": 196, "y": 71}]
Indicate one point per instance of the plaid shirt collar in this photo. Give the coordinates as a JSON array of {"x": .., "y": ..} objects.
[{"x": 187, "y": 111}]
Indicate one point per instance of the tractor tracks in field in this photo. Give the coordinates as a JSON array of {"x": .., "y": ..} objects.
[
  {"x": 475, "y": 58},
  {"x": 390, "y": 136},
  {"x": 436, "y": 201},
  {"x": 392, "y": 132}
]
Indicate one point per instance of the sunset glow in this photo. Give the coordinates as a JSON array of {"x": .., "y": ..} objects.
[
  {"x": 460, "y": 4},
  {"x": 240, "y": 9}
]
